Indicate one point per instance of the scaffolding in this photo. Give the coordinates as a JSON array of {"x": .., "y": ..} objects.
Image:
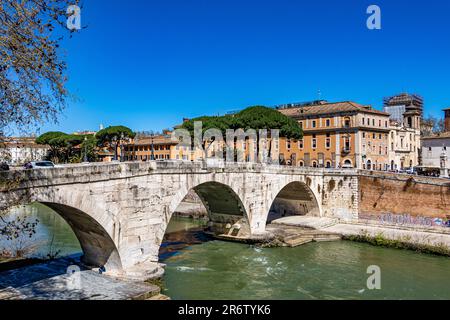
[{"x": 412, "y": 102}]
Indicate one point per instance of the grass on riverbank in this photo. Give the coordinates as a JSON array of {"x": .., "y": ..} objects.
[{"x": 403, "y": 243}]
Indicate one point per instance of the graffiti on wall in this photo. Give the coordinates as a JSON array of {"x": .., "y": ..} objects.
[{"x": 406, "y": 219}]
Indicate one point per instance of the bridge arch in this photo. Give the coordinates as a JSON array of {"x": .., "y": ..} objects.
[
  {"x": 226, "y": 211},
  {"x": 99, "y": 250},
  {"x": 294, "y": 198},
  {"x": 89, "y": 222}
]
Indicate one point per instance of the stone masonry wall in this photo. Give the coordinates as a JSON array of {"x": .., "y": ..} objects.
[
  {"x": 403, "y": 195},
  {"x": 340, "y": 195}
]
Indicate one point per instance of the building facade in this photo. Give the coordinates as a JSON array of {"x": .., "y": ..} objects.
[
  {"x": 338, "y": 135},
  {"x": 20, "y": 150},
  {"x": 436, "y": 150}
]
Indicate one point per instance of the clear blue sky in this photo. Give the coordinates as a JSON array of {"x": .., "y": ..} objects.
[{"x": 147, "y": 64}]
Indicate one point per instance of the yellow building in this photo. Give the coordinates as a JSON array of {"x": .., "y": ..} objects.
[
  {"x": 140, "y": 149},
  {"x": 337, "y": 135}
]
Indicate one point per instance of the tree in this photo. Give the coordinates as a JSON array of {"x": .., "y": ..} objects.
[
  {"x": 257, "y": 117},
  {"x": 66, "y": 147},
  {"x": 432, "y": 124},
  {"x": 55, "y": 140},
  {"x": 114, "y": 136},
  {"x": 32, "y": 71},
  {"x": 18, "y": 232}
]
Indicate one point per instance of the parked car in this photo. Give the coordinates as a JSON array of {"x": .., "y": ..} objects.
[
  {"x": 4, "y": 166},
  {"x": 39, "y": 165}
]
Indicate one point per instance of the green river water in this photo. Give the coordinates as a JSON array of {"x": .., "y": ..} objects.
[{"x": 200, "y": 268}]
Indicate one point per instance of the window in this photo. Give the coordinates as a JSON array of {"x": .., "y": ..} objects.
[
  {"x": 328, "y": 143},
  {"x": 379, "y": 123},
  {"x": 314, "y": 142},
  {"x": 386, "y": 124},
  {"x": 373, "y": 122},
  {"x": 328, "y": 122},
  {"x": 328, "y": 164},
  {"x": 363, "y": 121},
  {"x": 288, "y": 144},
  {"x": 347, "y": 144},
  {"x": 314, "y": 123},
  {"x": 301, "y": 124},
  {"x": 380, "y": 136},
  {"x": 380, "y": 151},
  {"x": 364, "y": 135},
  {"x": 300, "y": 144},
  {"x": 347, "y": 122},
  {"x": 301, "y": 164},
  {"x": 374, "y": 136}
]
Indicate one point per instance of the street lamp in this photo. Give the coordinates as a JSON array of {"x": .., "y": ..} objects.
[
  {"x": 121, "y": 147},
  {"x": 152, "y": 135},
  {"x": 85, "y": 150}
]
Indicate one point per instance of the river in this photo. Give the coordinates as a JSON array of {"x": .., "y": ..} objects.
[{"x": 201, "y": 268}]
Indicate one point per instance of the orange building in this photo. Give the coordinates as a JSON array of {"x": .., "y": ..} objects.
[
  {"x": 337, "y": 135},
  {"x": 140, "y": 149}
]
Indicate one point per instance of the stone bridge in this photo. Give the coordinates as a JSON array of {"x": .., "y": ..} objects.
[{"x": 120, "y": 211}]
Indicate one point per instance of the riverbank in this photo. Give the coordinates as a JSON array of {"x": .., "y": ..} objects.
[
  {"x": 417, "y": 238},
  {"x": 419, "y": 241}
]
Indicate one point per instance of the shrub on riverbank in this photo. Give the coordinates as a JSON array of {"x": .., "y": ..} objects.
[{"x": 404, "y": 243}]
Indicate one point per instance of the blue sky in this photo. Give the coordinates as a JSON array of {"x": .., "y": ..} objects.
[{"x": 147, "y": 64}]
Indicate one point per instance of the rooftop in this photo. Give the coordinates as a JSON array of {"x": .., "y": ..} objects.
[
  {"x": 157, "y": 140},
  {"x": 329, "y": 108},
  {"x": 443, "y": 135}
]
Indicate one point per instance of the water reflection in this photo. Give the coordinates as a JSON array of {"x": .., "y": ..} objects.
[{"x": 53, "y": 235}]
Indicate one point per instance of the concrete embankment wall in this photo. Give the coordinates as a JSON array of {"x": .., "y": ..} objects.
[{"x": 415, "y": 196}]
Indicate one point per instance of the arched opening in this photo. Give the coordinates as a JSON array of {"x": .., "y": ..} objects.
[
  {"x": 295, "y": 199},
  {"x": 209, "y": 210},
  {"x": 347, "y": 164},
  {"x": 369, "y": 165},
  {"x": 75, "y": 230}
]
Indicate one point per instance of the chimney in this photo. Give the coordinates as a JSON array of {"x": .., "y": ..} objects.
[{"x": 447, "y": 119}]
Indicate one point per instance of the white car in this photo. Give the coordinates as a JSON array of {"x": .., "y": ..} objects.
[{"x": 39, "y": 165}]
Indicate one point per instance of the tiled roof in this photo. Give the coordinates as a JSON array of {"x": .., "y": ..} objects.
[
  {"x": 158, "y": 140},
  {"x": 330, "y": 108},
  {"x": 443, "y": 135}
]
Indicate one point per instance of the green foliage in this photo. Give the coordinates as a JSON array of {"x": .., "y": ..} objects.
[
  {"x": 45, "y": 138},
  {"x": 257, "y": 117},
  {"x": 68, "y": 147},
  {"x": 113, "y": 134}
]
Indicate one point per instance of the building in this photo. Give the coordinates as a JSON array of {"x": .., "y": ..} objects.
[
  {"x": 397, "y": 105},
  {"x": 404, "y": 144},
  {"x": 336, "y": 135},
  {"x": 20, "y": 150},
  {"x": 436, "y": 150},
  {"x": 406, "y": 124},
  {"x": 161, "y": 147}
]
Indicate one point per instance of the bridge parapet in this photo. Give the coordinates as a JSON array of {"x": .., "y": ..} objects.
[{"x": 96, "y": 172}]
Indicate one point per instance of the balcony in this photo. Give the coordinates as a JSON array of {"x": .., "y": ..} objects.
[{"x": 346, "y": 150}]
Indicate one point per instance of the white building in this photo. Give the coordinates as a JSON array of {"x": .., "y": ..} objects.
[
  {"x": 404, "y": 146},
  {"x": 18, "y": 151},
  {"x": 436, "y": 153}
]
